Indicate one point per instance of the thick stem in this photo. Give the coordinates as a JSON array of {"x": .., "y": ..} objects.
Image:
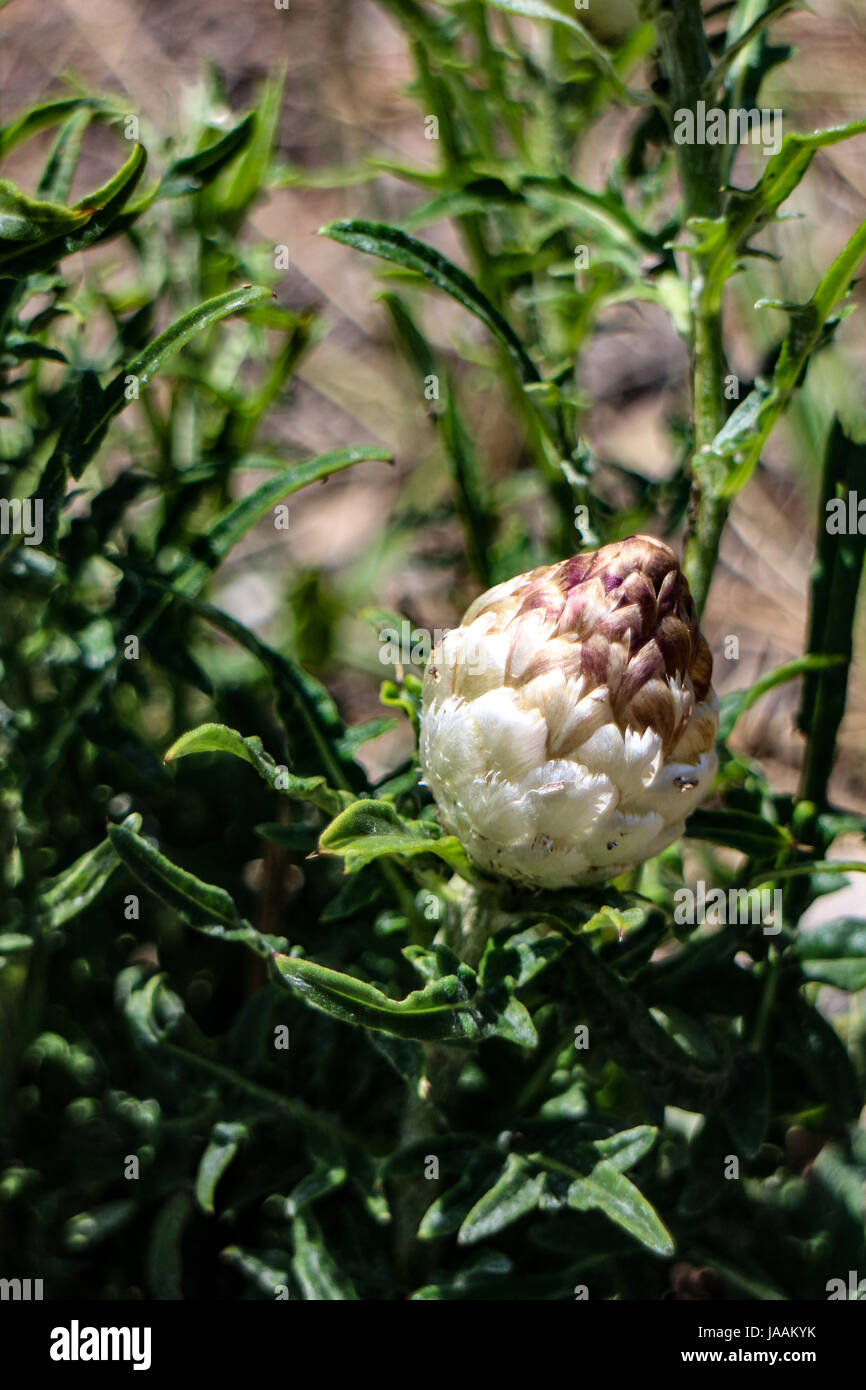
[
  {"x": 476, "y": 917},
  {"x": 685, "y": 62},
  {"x": 701, "y": 551}
]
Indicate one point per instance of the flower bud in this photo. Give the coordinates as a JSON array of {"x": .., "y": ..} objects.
[{"x": 568, "y": 723}]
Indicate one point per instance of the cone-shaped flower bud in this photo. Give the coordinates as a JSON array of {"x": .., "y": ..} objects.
[{"x": 568, "y": 724}]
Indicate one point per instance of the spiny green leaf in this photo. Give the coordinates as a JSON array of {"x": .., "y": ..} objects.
[{"x": 736, "y": 449}]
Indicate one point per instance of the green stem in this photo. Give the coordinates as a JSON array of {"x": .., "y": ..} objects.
[{"x": 686, "y": 63}]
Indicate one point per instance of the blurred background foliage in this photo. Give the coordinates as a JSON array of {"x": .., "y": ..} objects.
[{"x": 180, "y": 248}]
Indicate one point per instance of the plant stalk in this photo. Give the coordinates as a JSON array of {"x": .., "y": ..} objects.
[{"x": 685, "y": 63}]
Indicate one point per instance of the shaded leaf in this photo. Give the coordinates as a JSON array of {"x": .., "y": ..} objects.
[
  {"x": 835, "y": 953},
  {"x": 203, "y": 905},
  {"x": 218, "y": 738},
  {"x": 741, "y": 830}
]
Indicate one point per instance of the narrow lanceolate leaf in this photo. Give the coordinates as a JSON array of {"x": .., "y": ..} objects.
[
  {"x": 150, "y": 1006},
  {"x": 39, "y": 117},
  {"x": 367, "y": 830},
  {"x": 836, "y": 577},
  {"x": 631, "y": 1031},
  {"x": 392, "y": 244},
  {"x": 59, "y": 171},
  {"x": 253, "y": 168},
  {"x": 203, "y": 905},
  {"x": 147, "y": 363},
  {"x": 441, "y": 1010},
  {"x": 238, "y": 519},
  {"x": 105, "y": 203},
  {"x": 266, "y": 1278},
  {"x": 609, "y": 1191},
  {"x": 812, "y": 1045},
  {"x": 85, "y": 432},
  {"x": 514, "y": 1194},
  {"x": 67, "y": 895},
  {"x": 218, "y": 738},
  {"x": 736, "y": 702}
]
